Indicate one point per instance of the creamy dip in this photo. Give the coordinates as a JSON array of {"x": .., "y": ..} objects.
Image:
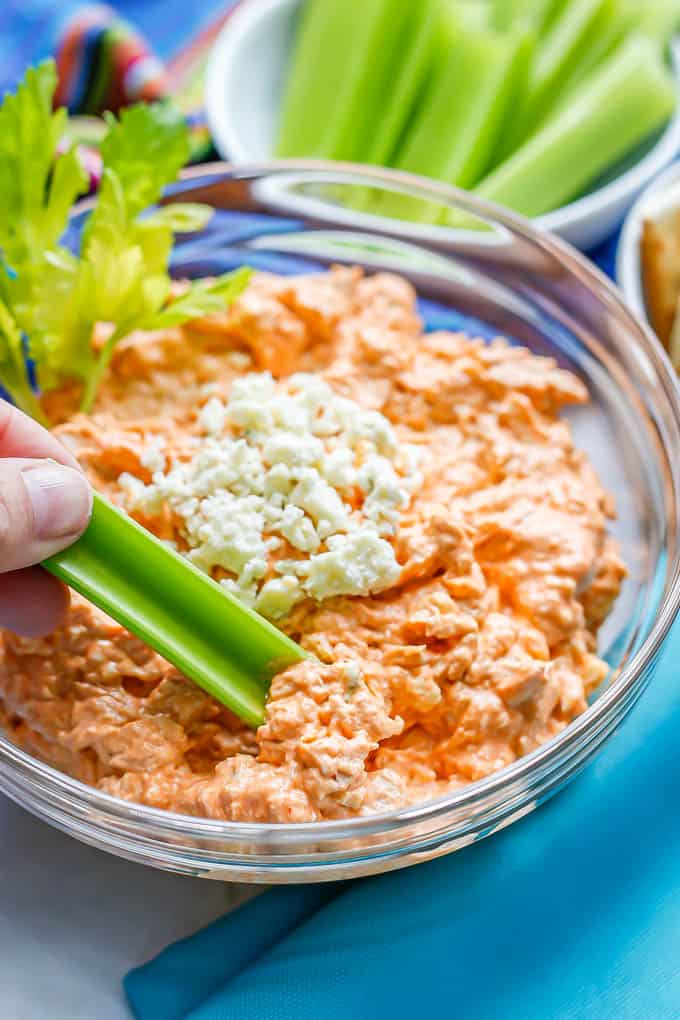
[{"x": 474, "y": 638}]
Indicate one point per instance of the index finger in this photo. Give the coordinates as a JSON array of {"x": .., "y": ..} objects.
[{"x": 21, "y": 436}]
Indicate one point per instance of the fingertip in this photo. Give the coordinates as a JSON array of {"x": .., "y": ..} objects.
[
  {"x": 60, "y": 499},
  {"x": 33, "y": 603},
  {"x": 22, "y": 436}
]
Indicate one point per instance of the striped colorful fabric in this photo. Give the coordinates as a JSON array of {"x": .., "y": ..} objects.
[{"x": 105, "y": 62}]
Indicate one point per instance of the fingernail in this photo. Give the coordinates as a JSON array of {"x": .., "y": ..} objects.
[{"x": 60, "y": 498}]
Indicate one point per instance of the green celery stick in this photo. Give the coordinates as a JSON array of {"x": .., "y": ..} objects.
[
  {"x": 537, "y": 14},
  {"x": 615, "y": 22},
  {"x": 526, "y": 53},
  {"x": 227, "y": 649},
  {"x": 624, "y": 101},
  {"x": 422, "y": 47},
  {"x": 658, "y": 19},
  {"x": 427, "y": 43},
  {"x": 458, "y": 123},
  {"x": 373, "y": 56},
  {"x": 388, "y": 42},
  {"x": 557, "y": 55},
  {"x": 419, "y": 53},
  {"x": 471, "y": 13},
  {"x": 316, "y": 75}
]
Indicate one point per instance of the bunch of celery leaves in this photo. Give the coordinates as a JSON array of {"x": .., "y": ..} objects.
[
  {"x": 525, "y": 102},
  {"x": 51, "y": 298}
]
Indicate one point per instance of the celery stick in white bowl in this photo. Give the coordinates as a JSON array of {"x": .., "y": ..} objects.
[{"x": 247, "y": 74}]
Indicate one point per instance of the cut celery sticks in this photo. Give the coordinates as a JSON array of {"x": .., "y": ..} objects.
[
  {"x": 538, "y": 14},
  {"x": 526, "y": 52},
  {"x": 426, "y": 46},
  {"x": 658, "y": 19},
  {"x": 420, "y": 55},
  {"x": 373, "y": 56},
  {"x": 344, "y": 60},
  {"x": 226, "y": 648},
  {"x": 558, "y": 53},
  {"x": 615, "y": 22},
  {"x": 420, "y": 47},
  {"x": 315, "y": 76},
  {"x": 356, "y": 71},
  {"x": 462, "y": 112},
  {"x": 623, "y": 102}
]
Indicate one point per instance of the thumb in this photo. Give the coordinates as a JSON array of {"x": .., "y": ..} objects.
[{"x": 44, "y": 507}]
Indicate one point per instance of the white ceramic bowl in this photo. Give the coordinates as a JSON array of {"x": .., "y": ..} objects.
[
  {"x": 244, "y": 84},
  {"x": 663, "y": 191}
]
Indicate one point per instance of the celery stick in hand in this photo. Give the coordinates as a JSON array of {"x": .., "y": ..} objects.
[{"x": 625, "y": 100}]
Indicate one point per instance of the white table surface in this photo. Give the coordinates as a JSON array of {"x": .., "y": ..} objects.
[{"x": 73, "y": 920}]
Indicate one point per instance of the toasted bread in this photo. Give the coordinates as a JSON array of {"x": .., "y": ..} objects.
[{"x": 660, "y": 261}]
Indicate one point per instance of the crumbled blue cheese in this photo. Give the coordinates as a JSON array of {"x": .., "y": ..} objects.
[
  {"x": 278, "y": 462},
  {"x": 213, "y": 417},
  {"x": 355, "y": 564},
  {"x": 352, "y": 674},
  {"x": 153, "y": 455}
]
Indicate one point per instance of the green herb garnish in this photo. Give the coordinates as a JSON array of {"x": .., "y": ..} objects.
[{"x": 50, "y": 299}]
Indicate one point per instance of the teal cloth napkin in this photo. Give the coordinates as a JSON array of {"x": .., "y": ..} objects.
[{"x": 574, "y": 912}]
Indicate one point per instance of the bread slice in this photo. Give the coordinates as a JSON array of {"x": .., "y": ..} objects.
[{"x": 660, "y": 261}]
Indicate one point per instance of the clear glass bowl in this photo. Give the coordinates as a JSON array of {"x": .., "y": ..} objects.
[{"x": 496, "y": 271}]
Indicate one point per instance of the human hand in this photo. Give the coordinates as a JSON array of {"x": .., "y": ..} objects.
[{"x": 45, "y": 504}]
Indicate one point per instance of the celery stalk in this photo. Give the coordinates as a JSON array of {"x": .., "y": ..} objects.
[
  {"x": 458, "y": 124},
  {"x": 558, "y": 54},
  {"x": 373, "y": 57},
  {"x": 420, "y": 50},
  {"x": 316, "y": 75},
  {"x": 520, "y": 88},
  {"x": 536, "y": 13},
  {"x": 615, "y": 22},
  {"x": 624, "y": 101},
  {"x": 227, "y": 649},
  {"x": 658, "y": 19}
]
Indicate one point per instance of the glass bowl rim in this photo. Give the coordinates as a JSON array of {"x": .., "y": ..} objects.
[{"x": 163, "y": 821}]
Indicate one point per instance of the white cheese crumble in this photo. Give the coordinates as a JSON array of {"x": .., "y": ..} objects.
[{"x": 293, "y": 465}]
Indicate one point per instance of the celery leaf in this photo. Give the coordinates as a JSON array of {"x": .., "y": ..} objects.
[
  {"x": 36, "y": 194},
  {"x": 120, "y": 277}
]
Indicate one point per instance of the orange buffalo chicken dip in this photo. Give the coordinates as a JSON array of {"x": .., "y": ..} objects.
[{"x": 408, "y": 506}]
